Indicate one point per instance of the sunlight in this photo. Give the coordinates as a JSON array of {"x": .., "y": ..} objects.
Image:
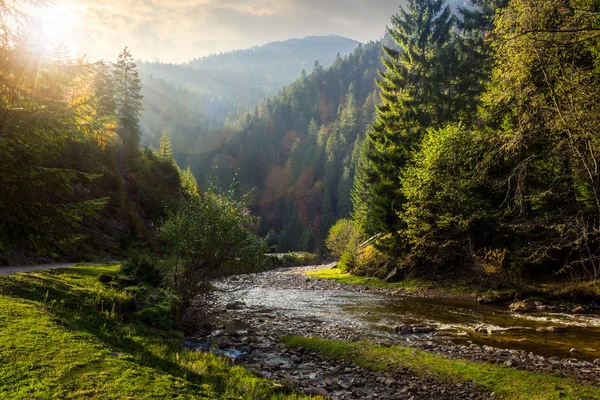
[{"x": 59, "y": 24}]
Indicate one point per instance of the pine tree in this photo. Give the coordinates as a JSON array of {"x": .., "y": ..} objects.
[
  {"x": 415, "y": 94},
  {"x": 165, "y": 149},
  {"x": 129, "y": 100},
  {"x": 43, "y": 199}
]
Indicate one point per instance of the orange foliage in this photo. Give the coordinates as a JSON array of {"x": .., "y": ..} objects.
[
  {"x": 276, "y": 185},
  {"x": 302, "y": 195},
  {"x": 288, "y": 141}
]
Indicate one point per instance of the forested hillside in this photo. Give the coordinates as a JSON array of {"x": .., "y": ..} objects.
[
  {"x": 75, "y": 183},
  {"x": 190, "y": 99},
  {"x": 483, "y": 154},
  {"x": 297, "y": 152}
]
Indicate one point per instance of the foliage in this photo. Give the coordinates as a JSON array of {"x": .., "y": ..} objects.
[
  {"x": 212, "y": 236},
  {"x": 290, "y": 260},
  {"x": 446, "y": 208},
  {"x": 343, "y": 241},
  {"x": 128, "y": 100},
  {"x": 44, "y": 111},
  {"x": 143, "y": 267}
]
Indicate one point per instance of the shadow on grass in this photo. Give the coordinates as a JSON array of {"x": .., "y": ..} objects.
[{"x": 86, "y": 309}]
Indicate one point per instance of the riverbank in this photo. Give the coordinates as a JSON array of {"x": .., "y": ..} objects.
[
  {"x": 564, "y": 296},
  {"x": 286, "y": 303},
  {"x": 65, "y": 334}
]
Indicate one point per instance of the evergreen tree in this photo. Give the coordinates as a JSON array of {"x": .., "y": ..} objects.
[
  {"x": 165, "y": 149},
  {"x": 415, "y": 94},
  {"x": 44, "y": 194},
  {"x": 129, "y": 101}
]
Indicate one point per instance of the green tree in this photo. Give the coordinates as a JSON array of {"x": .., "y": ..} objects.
[
  {"x": 416, "y": 94},
  {"x": 165, "y": 149},
  {"x": 43, "y": 196},
  {"x": 129, "y": 100}
]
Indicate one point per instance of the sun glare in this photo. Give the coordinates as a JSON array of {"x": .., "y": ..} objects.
[{"x": 59, "y": 25}]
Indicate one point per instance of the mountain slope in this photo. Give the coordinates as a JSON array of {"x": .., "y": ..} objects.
[
  {"x": 297, "y": 152},
  {"x": 186, "y": 99}
]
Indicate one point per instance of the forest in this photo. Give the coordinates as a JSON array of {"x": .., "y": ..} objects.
[{"x": 414, "y": 217}]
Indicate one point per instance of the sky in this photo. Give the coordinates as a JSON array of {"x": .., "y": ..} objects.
[{"x": 179, "y": 30}]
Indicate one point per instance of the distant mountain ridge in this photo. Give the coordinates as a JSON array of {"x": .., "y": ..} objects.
[{"x": 219, "y": 87}]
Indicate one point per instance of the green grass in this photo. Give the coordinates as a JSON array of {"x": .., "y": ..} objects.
[
  {"x": 506, "y": 382},
  {"x": 337, "y": 275},
  {"x": 65, "y": 335}
]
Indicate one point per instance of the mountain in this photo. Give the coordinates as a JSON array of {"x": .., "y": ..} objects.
[
  {"x": 296, "y": 153},
  {"x": 208, "y": 91}
]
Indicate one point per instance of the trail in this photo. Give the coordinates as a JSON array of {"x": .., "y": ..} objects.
[{"x": 32, "y": 268}]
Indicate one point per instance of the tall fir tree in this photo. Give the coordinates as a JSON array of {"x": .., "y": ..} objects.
[
  {"x": 416, "y": 93},
  {"x": 165, "y": 149},
  {"x": 129, "y": 101}
]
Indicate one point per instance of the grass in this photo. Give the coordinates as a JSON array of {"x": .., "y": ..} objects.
[
  {"x": 337, "y": 275},
  {"x": 506, "y": 382},
  {"x": 65, "y": 335}
]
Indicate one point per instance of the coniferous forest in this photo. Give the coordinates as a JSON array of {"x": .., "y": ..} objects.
[{"x": 416, "y": 216}]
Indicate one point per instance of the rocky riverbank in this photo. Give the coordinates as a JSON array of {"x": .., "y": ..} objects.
[{"x": 255, "y": 330}]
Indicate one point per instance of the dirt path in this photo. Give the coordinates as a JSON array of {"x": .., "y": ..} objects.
[{"x": 31, "y": 268}]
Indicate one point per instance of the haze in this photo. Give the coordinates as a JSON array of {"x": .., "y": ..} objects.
[{"x": 178, "y": 30}]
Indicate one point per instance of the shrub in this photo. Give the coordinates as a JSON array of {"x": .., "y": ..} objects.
[
  {"x": 105, "y": 278},
  {"x": 212, "y": 237},
  {"x": 143, "y": 267},
  {"x": 160, "y": 316},
  {"x": 343, "y": 240}
]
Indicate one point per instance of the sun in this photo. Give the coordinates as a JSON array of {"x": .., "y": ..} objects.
[{"x": 58, "y": 24}]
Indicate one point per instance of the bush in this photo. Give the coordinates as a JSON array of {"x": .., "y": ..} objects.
[
  {"x": 143, "y": 267},
  {"x": 105, "y": 278},
  {"x": 212, "y": 237},
  {"x": 343, "y": 240},
  {"x": 160, "y": 316}
]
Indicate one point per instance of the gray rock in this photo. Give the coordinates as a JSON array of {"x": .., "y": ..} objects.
[
  {"x": 597, "y": 361},
  {"x": 421, "y": 329},
  {"x": 396, "y": 275},
  {"x": 513, "y": 362},
  {"x": 403, "y": 329}
]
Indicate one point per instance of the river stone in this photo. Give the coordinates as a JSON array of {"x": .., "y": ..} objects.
[
  {"x": 597, "y": 361},
  {"x": 421, "y": 329},
  {"x": 524, "y": 306},
  {"x": 396, "y": 275},
  {"x": 513, "y": 362},
  {"x": 403, "y": 329},
  {"x": 235, "y": 305}
]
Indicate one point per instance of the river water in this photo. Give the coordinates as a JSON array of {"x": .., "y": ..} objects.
[{"x": 543, "y": 333}]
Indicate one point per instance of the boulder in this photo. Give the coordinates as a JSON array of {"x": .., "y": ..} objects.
[
  {"x": 403, "y": 329},
  {"x": 421, "y": 329},
  {"x": 396, "y": 275},
  {"x": 524, "y": 306},
  {"x": 235, "y": 305}
]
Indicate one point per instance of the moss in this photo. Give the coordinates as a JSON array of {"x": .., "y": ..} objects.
[
  {"x": 506, "y": 382},
  {"x": 63, "y": 335}
]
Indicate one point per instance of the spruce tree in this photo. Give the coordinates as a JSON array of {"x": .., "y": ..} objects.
[
  {"x": 165, "y": 149},
  {"x": 416, "y": 94},
  {"x": 129, "y": 101}
]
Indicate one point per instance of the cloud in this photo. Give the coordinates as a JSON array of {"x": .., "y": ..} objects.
[{"x": 178, "y": 30}]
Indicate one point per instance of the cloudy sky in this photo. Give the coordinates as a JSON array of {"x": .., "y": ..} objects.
[{"x": 178, "y": 30}]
